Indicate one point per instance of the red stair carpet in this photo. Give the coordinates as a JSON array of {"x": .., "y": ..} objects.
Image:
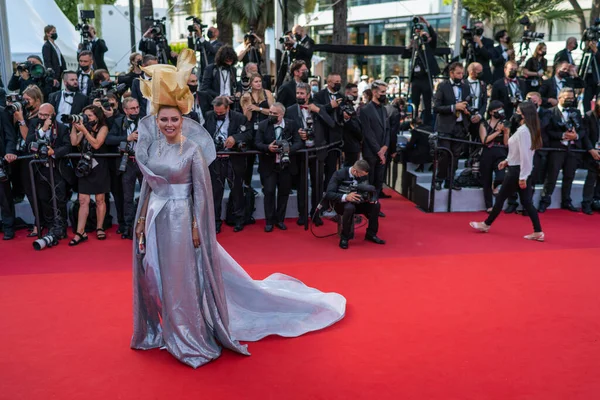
[{"x": 440, "y": 312}]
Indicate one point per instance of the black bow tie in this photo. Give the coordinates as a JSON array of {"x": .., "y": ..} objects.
[
  {"x": 69, "y": 94},
  {"x": 457, "y": 84}
]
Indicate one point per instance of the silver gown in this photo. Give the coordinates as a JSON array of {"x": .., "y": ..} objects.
[{"x": 191, "y": 301}]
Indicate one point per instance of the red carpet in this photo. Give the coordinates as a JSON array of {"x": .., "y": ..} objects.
[{"x": 440, "y": 312}]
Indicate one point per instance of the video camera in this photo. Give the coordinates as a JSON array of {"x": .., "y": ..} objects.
[
  {"x": 367, "y": 193},
  {"x": 417, "y": 26},
  {"x": 529, "y": 36},
  {"x": 592, "y": 33},
  {"x": 158, "y": 29},
  {"x": 195, "y": 21},
  {"x": 83, "y": 27}
]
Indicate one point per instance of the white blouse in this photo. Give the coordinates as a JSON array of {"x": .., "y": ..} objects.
[{"x": 519, "y": 151}]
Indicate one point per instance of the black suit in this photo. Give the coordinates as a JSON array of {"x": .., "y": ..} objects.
[
  {"x": 483, "y": 55},
  {"x": 304, "y": 51},
  {"x": 207, "y": 48},
  {"x": 51, "y": 60},
  {"x": 565, "y": 160},
  {"x": 478, "y": 88},
  {"x": 61, "y": 144},
  {"x": 272, "y": 174},
  {"x": 7, "y": 146},
  {"x": 498, "y": 61},
  {"x": 348, "y": 209},
  {"x": 286, "y": 94},
  {"x": 503, "y": 91},
  {"x": 229, "y": 169},
  {"x": 80, "y": 101},
  {"x": 211, "y": 80},
  {"x": 549, "y": 88},
  {"x": 563, "y": 55},
  {"x": 136, "y": 93},
  {"x": 98, "y": 50},
  {"x": 376, "y": 134},
  {"x": 590, "y": 141},
  {"x": 148, "y": 46},
  {"x": 333, "y": 134},
  {"x": 82, "y": 79},
  {"x": 448, "y": 125}
]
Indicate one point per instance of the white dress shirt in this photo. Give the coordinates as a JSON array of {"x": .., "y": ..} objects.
[
  {"x": 519, "y": 151},
  {"x": 225, "y": 82},
  {"x": 65, "y": 104}
]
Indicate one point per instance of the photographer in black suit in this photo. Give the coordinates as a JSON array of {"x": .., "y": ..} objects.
[
  {"x": 220, "y": 78},
  {"x": 24, "y": 76},
  {"x": 566, "y": 131},
  {"x": 207, "y": 47},
  {"x": 277, "y": 138},
  {"x": 376, "y": 134},
  {"x": 85, "y": 73},
  {"x": 148, "y": 46},
  {"x": 286, "y": 94},
  {"x": 565, "y": 76},
  {"x": 483, "y": 48},
  {"x": 453, "y": 119},
  {"x": 421, "y": 80},
  {"x": 230, "y": 132},
  {"x": 591, "y": 160},
  {"x": 510, "y": 90},
  {"x": 308, "y": 116},
  {"x": 502, "y": 53},
  {"x": 348, "y": 204},
  {"x": 302, "y": 46},
  {"x": 97, "y": 47},
  {"x": 351, "y": 131},
  {"x": 479, "y": 97},
  {"x": 7, "y": 155},
  {"x": 69, "y": 101},
  {"x": 44, "y": 130}
]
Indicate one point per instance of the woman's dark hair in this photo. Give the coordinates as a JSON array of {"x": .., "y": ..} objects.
[
  {"x": 223, "y": 54},
  {"x": 494, "y": 105},
  {"x": 369, "y": 94},
  {"x": 98, "y": 113},
  {"x": 47, "y": 30},
  {"x": 500, "y": 34},
  {"x": 532, "y": 121}
]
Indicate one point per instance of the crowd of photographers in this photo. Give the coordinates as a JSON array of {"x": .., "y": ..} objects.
[{"x": 352, "y": 128}]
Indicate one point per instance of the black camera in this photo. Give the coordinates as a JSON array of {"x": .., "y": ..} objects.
[
  {"x": 18, "y": 105},
  {"x": 83, "y": 27},
  {"x": 572, "y": 121},
  {"x": 39, "y": 148},
  {"x": 347, "y": 105},
  {"x": 469, "y": 33},
  {"x": 284, "y": 152},
  {"x": 74, "y": 119},
  {"x": 286, "y": 40},
  {"x": 367, "y": 193},
  {"x": 49, "y": 240},
  {"x": 84, "y": 166},
  {"x": 310, "y": 133},
  {"x": 529, "y": 36},
  {"x": 195, "y": 21},
  {"x": 37, "y": 71},
  {"x": 250, "y": 37},
  {"x": 126, "y": 151},
  {"x": 592, "y": 33},
  {"x": 417, "y": 25},
  {"x": 158, "y": 28},
  {"x": 3, "y": 171}
]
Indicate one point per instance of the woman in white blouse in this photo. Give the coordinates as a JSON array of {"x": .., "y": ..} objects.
[{"x": 519, "y": 163}]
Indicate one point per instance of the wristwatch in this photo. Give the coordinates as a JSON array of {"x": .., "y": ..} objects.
[
  {"x": 22, "y": 122},
  {"x": 260, "y": 109}
]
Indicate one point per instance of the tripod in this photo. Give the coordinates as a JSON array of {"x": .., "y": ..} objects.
[
  {"x": 470, "y": 53},
  {"x": 589, "y": 61},
  {"x": 524, "y": 51},
  {"x": 200, "y": 54},
  {"x": 161, "y": 50},
  {"x": 284, "y": 67},
  {"x": 418, "y": 54}
]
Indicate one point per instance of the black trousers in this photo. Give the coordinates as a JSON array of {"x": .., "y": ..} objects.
[
  {"x": 421, "y": 86},
  {"x": 557, "y": 161},
  {"x": 347, "y": 211},
  {"x": 250, "y": 160},
  {"x": 7, "y": 207},
  {"x": 222, "y": 172},
  {"x": 588, "y": 94},
  {"x": 490, "y": 158},
  {"x": 316, "y": 193},
  {"x": 276, "y": 185},
  {"x": 510, "y": 185},
  {"x": 350, "y": 157},
  {"x": 331, "y": 164},
  {"x": 44, "y": 196},
  {"x": 455, "y": 148},
  {"x": 128, "y": 179},
  {"x": 116, "y": 188},
  {"x": 592, "y": 181},
  {"x": 376, "y": 172},
  {"x": 23, "y": 181}
]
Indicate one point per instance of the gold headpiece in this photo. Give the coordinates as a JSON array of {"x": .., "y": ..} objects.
[{"x": 168, "y": 86}]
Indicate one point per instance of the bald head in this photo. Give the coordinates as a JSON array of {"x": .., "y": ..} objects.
[
  {"x": 46, "y": 108},
  {"x": 298, "y": 30},
  {"x": 474, "y": 70}
]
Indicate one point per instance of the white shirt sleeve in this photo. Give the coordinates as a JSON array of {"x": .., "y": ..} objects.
[
  {"x": 526, "y": 154},
  {"x": 344, "y": 198}
]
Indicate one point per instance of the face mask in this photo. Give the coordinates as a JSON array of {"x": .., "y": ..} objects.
[
  {"x": 337, "y": 87},
  {"x": 543, "y": 54},
  {"x": 508, "y": 39},
  {"x": 301, "y": 101},
  {"x": 134, "y": 117},
  {"x": 575, "y": 44},
  {"x": 568, "y": 103},
  {"x": 72, "y": 88},
  {"x": 516, "y": 119},
  {"x": 193, "y": 88},
  {"x": 298, "y": 37},
  {"x": 220, "y": 117},
  {"x": 209, "y": 34},
  {"x": 314, "y": 89},
  {"x": 382, "y": 98},
  {"x": 273, "y": 119},
  {"x": 304, "y": 76},
  {"x": 54, "y": 36},
  {"x": 85, "y": 68},
  {"x": 498, "y": 114},
  {"x": 563, "y": 74},
  {"x": 512, "y": 74}
]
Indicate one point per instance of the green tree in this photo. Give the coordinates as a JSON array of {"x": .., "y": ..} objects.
[{"x": 69, "y": 8}]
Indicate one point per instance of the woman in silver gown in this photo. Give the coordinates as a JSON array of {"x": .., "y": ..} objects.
[{"x": 190, "y": 297}]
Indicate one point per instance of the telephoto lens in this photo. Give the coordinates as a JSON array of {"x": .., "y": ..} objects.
[{"x": 46, "y": 241}]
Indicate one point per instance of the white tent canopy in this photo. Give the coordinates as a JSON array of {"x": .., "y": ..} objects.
[{"x": 26, "y": 22}]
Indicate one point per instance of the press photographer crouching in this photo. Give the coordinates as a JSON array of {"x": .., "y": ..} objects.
[
  {"x": 230, "y": 133},
  {"x": 89, "y": 133},
  {"x": 124, "y": 135},
  {"x": 493, "y": 134},
  {"x": 351, "y": 194},
  {"x": 48, "y": 140},
  {"x": 277, "y": 138}
]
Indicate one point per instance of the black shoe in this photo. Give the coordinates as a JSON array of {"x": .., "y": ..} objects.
[
  {"x": 542, "y": 208},
  {"x": 512, "y": 208},
  {"x": 438, "y": 186},
  {"x": 524, "y": 213},
  {"x": 121, "y": 230},
  {"x": 301, "y": 221},
  {"x": 281, "y": 226},
  {"x": 374, "y": 239},
  {"x": 238, "y": 228},
  {"x": 218, "y": 226},
  {"x": 587, "y": 210},
  {"x": 596, "y": 205},
  {"x": 381, "y": 214},
  {"x": 382, "y": 195},
  {"x": 454, "y": 186},
  {"x": 570, "y": 207},
  {"x": 317, "y": 221},
  {"x": 268, "y": 228},
  {"x": 343, "y": 244},
  {"x": 8, "y": 235}
]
